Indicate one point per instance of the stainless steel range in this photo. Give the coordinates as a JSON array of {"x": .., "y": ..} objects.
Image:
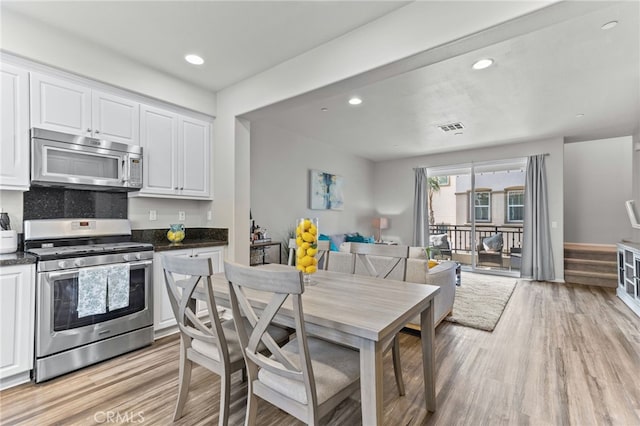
[{"x": 94, "y": 292}]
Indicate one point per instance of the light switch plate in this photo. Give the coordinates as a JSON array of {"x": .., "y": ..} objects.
[
  {"x": 209, "y": 215},
  {"x": 153, "y": 215},
  {"x": 181, "y": 216}
]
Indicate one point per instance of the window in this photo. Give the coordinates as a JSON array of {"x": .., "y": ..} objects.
[
  {"x": 515, "y": 206},
  {"x": 482, "y": 206}
]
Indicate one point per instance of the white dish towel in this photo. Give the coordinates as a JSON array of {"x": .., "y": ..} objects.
[
  {"x": 92, "y": 291},
  {"x": 119, "y": 278}
]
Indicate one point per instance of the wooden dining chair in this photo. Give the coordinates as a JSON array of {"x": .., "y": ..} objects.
[
  {"x": 307, "y": 377},
  {"x": 322, "y": 255},
  {"x": 383, "y": 261},
  {"x": 206, "y": 341}
]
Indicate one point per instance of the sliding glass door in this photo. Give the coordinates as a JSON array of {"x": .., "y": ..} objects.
[{"x": 479, "y": 210}]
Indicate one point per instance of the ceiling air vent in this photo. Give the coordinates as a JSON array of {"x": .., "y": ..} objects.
[{"x": 451, "y": 127}]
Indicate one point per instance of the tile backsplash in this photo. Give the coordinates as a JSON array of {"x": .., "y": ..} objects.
[{"x": 55, "y": 203}]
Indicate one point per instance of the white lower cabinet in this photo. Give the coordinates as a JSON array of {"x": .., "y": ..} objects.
[
  {"x": 164, "y": 320},
  {"x": 629, "y": 275},
  {"x": 17, "y": 302}
]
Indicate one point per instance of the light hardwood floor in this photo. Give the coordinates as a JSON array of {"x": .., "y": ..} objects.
[{"x": 560, "y": 355}]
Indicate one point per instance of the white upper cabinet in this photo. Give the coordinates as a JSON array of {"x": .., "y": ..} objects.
[
  {"x": 65, "y": 106},
  {"x": 176, "y": 152},
  {"x": 195, "y": 149},
  {"x": 115, "y": 118},
  {"x": 159, "y": 141},
  {"x": 14, "y": 128}
]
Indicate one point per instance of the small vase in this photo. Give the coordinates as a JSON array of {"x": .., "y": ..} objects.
[
  {"x": 176, "y": 233},
  {"x": 307, "y": 248}
]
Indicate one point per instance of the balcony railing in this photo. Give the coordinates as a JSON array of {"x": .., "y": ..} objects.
[{"x": 461, "y": 241}]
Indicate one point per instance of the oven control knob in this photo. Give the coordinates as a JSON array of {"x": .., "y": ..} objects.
[
  {"x": 130, "y": 257},
  {"x": 79, "y": 263}
]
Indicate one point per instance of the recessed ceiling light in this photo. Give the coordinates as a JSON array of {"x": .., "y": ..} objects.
[
  {"x": 482, "y": 64},
  {"x": 355, "y": 101},
  {"x": 609, "y": 25},
  {"x": 194, "y": 59},
  {"x": 579, "y": 115},
  {"x": 324, "y": 109}
]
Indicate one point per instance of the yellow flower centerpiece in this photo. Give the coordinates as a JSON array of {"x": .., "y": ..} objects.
[
  {"x": 307, "y": 243},
  {"x": 176, "y": 233}
]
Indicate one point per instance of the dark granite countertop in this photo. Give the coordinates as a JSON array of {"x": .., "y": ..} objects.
[
  {"x": 195, "y": 238},
  {"x": 187, "y": 244},
  {"x": 17, "y": 258}
]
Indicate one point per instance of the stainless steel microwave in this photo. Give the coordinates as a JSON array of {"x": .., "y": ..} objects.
[{"x": 70, "y": 161}]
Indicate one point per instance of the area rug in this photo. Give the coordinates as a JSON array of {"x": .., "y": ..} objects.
[{"x": 480, "y": 300}]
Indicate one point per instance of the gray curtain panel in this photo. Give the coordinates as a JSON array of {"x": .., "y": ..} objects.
[
  {"x": 420, "y": 212},
  {"x": 537, "y": 255}
]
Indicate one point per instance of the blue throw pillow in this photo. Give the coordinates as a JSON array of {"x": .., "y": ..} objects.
[{"x": 355, "y": 239}]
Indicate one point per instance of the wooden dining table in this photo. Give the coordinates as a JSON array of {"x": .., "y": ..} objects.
[{"x": 364, "y": 313}]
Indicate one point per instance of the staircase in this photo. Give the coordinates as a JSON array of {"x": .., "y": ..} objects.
[{"x": 591, "y": 264}]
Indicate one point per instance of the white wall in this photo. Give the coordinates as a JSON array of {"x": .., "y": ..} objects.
[
  {"x": 394, "y": 183},
  {"x": 598, "y": 180},
  {"x": 40, "y": 46},
  {"x": 400, "y": 34},
  {"x": 280, "y": 164}
]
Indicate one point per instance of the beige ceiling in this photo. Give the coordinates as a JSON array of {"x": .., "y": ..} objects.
[
  {"x": 540, "y": 83},
  {"x": 237, "y": 39},
  {"x": 551, "y": 65}
]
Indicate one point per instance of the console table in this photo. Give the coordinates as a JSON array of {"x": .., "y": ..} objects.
[
  {"x": 629, "y": 275},
  {"x": 258, "y": 254}
]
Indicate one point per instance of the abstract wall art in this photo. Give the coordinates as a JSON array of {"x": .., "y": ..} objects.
[{"x": 325, "y": 191}]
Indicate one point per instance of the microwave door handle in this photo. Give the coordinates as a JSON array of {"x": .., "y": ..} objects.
[{"x": 125, "y": 163}]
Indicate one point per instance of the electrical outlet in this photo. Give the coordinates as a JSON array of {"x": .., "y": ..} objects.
[
  {"x": 182, "y": 216},
  {"x": 209, "y": 215},
  {"x": 153, "y": 215}
]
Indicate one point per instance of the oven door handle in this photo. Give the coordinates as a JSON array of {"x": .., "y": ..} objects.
[
  {"x": 52, "y": 276},
  {"x": 58, "y": 275},
  {"x": 142, "y": 263}
]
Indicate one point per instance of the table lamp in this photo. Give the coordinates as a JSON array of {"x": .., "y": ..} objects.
[{"x": 380, "y": 223}]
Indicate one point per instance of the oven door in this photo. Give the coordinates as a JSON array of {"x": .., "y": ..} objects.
[{"x": 58, "y": 327}]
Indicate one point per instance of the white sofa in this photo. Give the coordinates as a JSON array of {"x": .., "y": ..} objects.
[{"x": 442, "y": 275}]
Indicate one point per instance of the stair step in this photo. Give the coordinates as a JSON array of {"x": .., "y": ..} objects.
[
  {"x": 591, "y": 278},
  {"x": 590, "y": 251},
  {"x": 589, "y": 265}
]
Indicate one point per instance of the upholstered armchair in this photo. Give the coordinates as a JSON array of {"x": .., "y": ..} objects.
[{"x": 490, "y": 250}]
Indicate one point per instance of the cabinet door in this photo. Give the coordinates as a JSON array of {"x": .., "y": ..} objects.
[
  {"x": 195, "y": 143},
  {"x": 162, "y": 313},
  {"x": 60, "y": 105},
  {"x": 115, "y": 119},
  {"x": 216, "y": 254},
  {"x": 17, "y": 284},
  {"x": 14, "y": 128},
  {"x": 158, "y": 138}
]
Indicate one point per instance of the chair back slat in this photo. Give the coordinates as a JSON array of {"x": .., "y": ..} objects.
[
  {"x": 183, "y": 276},
  {"x": 292, "y": 251},
  {"x": 397, "y": 258},
  {"x": 283, "y": 285},
  {"x": 322, "y": 255}
]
